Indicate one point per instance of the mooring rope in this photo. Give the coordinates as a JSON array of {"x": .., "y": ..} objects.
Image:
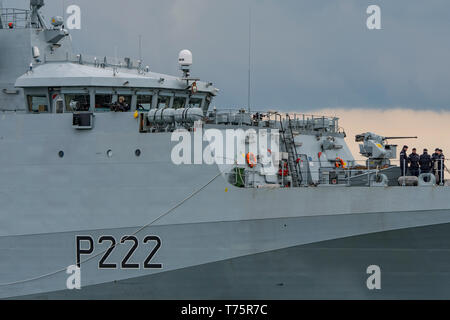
[{"x": 136, "y": 232}]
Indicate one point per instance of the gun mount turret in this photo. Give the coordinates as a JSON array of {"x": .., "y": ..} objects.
[{"x": 376, "y": 148}]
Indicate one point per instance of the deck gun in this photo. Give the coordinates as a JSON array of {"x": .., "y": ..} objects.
[{"x": 376, "y": 148}]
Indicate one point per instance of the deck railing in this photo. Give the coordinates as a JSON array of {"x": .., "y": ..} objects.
[
  {"x": 19, "y": 18},
  {"x": 298, "y": 121},
  {"x": 100, "y": 61}
]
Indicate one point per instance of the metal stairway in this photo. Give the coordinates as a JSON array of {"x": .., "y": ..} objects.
[{"x": 289, "y": 144}]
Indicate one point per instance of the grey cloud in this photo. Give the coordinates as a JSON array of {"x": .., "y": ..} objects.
[{"x": 306, "y": 54}]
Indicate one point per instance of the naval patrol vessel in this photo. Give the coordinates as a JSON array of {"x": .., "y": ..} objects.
[{"x": 93, "y": 175}]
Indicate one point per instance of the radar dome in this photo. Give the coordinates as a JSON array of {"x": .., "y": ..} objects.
[
  {"x": 57, "y": 21},
  {"x": 185, "y": 58}
]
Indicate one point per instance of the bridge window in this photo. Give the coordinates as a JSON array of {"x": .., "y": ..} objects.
[
  {"x": 207, "y": 102},
  {"x": 103, "y": 102},
  {"x": 123, "y": 102},
  {"x": 195, "y": 102},
  {"x": 179, "y": 102},
  {"x": 38, "y": 104},
  {"x": 77, "y": 102},
  {"x": 127, "y": 98},
  {"x": 144, "y": 102},
  {"x": 163, "y": 102}
]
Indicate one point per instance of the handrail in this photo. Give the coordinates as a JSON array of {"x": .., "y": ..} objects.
[
  {"x": 296, "y": 121},
  {"x": 20, "y": 18},
  {"x": 100, "y": 61},
  {"x": 297, "y": 116},
  {"x": 293, "y": 165},
  {"x": 295, "y": 153}
]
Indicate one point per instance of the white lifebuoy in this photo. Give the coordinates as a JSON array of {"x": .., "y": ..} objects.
[
  {"x": 379, "y": 180},
  {"x": 427, "y": 180}
]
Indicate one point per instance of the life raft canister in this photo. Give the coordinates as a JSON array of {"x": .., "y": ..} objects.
[
  {"x": 251, "y": 160},
  {"x": 340, "y": 163}
]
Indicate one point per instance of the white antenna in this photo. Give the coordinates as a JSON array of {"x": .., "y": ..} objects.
[
  {"x": 249, "y": 57},
  {"x": 116, "y": 62},
  {"x": 140, "y": 48},
  {"x": 1, "y": 11}
]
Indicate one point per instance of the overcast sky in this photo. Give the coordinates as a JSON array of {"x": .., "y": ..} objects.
[{"x": 307, "y": 54}]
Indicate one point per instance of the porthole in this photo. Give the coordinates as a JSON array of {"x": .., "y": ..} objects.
[
  {"x": 61, "y": 154},
  {"x": 109, "y": 153},
  {"x": 137, "y": 152}
]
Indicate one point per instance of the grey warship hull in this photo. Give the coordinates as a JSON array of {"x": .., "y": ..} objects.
[
  {"x": 88, "y": 179},
  {"x": 224, "y": 242},
  {"x": 414, "y": 267}
]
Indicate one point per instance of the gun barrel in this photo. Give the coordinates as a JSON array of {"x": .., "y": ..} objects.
[{"x": 396, "y": 138}]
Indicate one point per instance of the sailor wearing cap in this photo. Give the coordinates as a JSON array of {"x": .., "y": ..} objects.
[
  {"x": 433, "y": 160},
  {"x": 425, "y": 162},
  {"x": 439, "y": 166},
  {"x": 404, "y": 161},
  {"x": 414, "y": 159}
]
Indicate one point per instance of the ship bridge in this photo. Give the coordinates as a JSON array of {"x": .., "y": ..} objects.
[
  {"x": 57, "y": 87},
  {"x": 40, "y": 70}
]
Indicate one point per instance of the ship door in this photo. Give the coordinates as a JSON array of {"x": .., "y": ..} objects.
[
  {"x": 305, "y": 169},
  {"x": 56, "y": 101}
]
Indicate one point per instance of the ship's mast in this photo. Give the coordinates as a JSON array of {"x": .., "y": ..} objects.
[
  {"x": 37, "y": 21},
  {"x": 1, "y": 12},
  {"x": 140, "y": 48},
  {"x": 249, "y": 57}
]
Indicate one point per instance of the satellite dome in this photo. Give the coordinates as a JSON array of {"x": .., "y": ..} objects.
[
  {"x": 57, "y": 21},
  {"x": 185, "y": 58}
]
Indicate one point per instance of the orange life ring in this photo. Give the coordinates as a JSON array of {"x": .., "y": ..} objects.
[
  {"x": 251, "y": 160},
  {"x": 340, "y": 163}
]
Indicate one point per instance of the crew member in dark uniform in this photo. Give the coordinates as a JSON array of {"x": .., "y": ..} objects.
[
  {"x": 439, "y": 167},
  {"x": 425, "y": 162},
  {"x": 121, "y": 105},
  {"x": 414, "y": 159},
  {"x": 404, "y": 161},
  {"x": 443, "y": 165},
  {"x": 434, "y": 157}
]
